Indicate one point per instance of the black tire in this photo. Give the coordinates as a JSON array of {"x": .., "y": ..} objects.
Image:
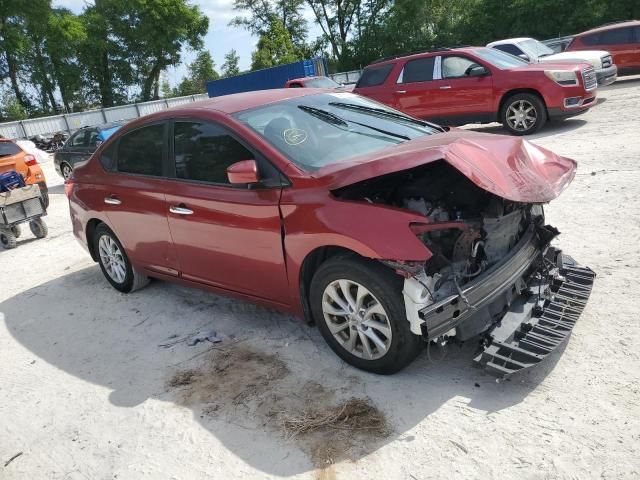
[
  {"x": 132, "y": 280},
  {"x": 45, "y": 198},
  {"x": 7, "y": 239},
  {"x": 523, "y": 100},
  {"x": 39, "y": 228},
  {"x": 17, "y": 231},
  {"x": 386, "y": 286}
]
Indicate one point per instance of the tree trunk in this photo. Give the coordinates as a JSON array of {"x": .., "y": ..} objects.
[
  {"x": 105, "y": 82},
  {"x": 13, "y": 77},
  {"x": 47, "y": 86},
  {"x": 148, "y": 82}
]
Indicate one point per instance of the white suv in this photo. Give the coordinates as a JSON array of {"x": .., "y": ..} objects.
[{"x": 534, "y": 51}]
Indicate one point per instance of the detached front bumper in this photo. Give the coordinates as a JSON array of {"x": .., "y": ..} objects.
[{"x": 526, "y": 306}]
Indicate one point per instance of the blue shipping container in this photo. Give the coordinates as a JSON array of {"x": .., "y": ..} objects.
[{"x": 267, "y": 78}]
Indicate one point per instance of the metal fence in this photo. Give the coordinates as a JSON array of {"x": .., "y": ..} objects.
[
  {"x": 71, "y": 122},
  {"x": 346, "y": 77}
]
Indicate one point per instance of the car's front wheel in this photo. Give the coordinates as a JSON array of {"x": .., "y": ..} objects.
[
  {"x": 523, "y": 114},
  {"x": 114, "y": 263},
  {"x": 358, "y": 306}
]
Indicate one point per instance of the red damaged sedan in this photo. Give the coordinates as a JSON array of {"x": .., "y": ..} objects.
[{"x": 384, "y": 230}]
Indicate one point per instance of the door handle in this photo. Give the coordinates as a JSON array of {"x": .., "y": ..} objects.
[
  {"x": 112, "y": 200},
  {"x": 180, "y": 210},
  {"x": 445, "y": 87},
  {"x": 401, "y": 91}
]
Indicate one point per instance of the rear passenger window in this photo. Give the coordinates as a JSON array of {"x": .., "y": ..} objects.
[
  {"x": 141, "y": 151},
  {"x": 420, "y": 70},
  {"x": 373, "y": 76},
  {"x": 616, "y": 36},
  {"x": 203, "y": 151}
]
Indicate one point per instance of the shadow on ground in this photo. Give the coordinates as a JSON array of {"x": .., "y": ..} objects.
[
  {"x": 267, "y": 363},
  {"x": 551, "y": 128}
]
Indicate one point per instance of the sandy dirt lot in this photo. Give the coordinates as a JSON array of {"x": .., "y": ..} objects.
[{"x": 99, "y": 385}]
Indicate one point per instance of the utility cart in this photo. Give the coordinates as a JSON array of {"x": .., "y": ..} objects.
[{"x": 17, "y": 206}]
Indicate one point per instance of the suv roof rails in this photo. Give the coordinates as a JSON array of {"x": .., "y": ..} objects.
[
  {"x": 416, "y": 52},
  {"x": 615, "y": 23}
]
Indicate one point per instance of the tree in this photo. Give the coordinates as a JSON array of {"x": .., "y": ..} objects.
[
  {"x": 201, "y": 70},
  {"x": 275, "y": 47},
  {"x": 261, "y": 13},
  {"x": 230, "y": 65}
]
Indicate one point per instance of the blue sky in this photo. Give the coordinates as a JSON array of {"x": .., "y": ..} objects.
[{"x": 220, "y": 39}]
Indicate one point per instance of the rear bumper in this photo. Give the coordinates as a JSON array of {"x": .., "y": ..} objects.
[{"x": 606, "y": 76}]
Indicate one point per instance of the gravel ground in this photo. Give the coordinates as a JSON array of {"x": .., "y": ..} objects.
[{"x": 99, "y": 385}]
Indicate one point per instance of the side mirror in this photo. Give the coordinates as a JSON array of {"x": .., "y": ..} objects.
[
  {"x": 524, "y": 57},
  {"x": 477, "y": 71},
  {"x": 243, "y": 172}
]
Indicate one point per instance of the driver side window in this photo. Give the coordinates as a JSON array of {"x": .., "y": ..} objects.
[
  {"x": 78, "y": 140},
  {"x": 456, "y": 67}
]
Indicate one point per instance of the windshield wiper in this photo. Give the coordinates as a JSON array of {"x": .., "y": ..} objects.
[
  {"x": 324, "y": 115},
  {"x": 337, "y": 120},
  {"x": 385, "y": 113}
]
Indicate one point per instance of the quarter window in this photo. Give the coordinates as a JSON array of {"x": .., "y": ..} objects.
[
  {"x": 141, "y": 151},
  {"x": 373, "y": 76},
  {"x": 203, "y": 151},
  {"x": 419, "y": 70},
  {"x": 455, "y": 67}
]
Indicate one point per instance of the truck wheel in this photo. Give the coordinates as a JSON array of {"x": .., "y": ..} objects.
[
  {"x": 523, "y": 114},
  {"x": 17, "y": 231},
  {"x": 114, "y": 263},
  {"x": 38, "y": 228},
  {"x": 7, "y": 239},
  {"x": 358, "y": 306}
]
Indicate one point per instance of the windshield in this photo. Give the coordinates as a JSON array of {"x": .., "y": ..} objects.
[
  {"x": 321, "y": 82},
  {"x": 500, "y": 59},
  {"x": 535, "y": 48},
  {"x": 318, "y": 130}
]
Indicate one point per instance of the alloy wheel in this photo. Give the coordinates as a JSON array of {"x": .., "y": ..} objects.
[
  {"x": 112, "y": 259},
  {"x": 522, "y": 115},
  {"x": 66, "y": 171},
  {"x": 356, "y": 319}
]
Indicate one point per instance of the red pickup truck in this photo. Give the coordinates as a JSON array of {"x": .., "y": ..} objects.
[{"x": 480, "y": 85}]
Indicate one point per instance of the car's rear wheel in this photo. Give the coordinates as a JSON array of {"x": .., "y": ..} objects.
[
  {"x": 358, "y": 306},
  {"x": 7, "y": 239},
  {"x": 66, "y": 170},
  {"x": 523, "y": 114},
  {"x": 114, "y": 263}
]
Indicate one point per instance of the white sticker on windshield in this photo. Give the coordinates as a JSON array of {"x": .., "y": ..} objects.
[{"x": 294, "y": 136}]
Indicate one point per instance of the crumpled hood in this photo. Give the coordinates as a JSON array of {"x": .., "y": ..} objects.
[{"x": 509, "y": 167}]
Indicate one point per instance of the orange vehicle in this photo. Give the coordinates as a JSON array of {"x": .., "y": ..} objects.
[{"x": 12, "y": 157}]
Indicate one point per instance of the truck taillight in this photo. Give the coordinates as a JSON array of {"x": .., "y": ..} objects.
[{"x": 30, "y": 160}]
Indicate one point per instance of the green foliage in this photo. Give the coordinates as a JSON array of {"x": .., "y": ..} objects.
[
  {"x": 200, "y": 71},
  {"x": 10, "y": 108},
  {"x": 275, "y": 47},
  {"x": 263, "y": 12},
  {"x": 230, "y": 65}
]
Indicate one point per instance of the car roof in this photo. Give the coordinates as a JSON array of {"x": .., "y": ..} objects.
[
  {"x": 610, "y": 26},
  {"x": 432, "y": 52},
  {"x": 239, "y": 102},
  {"x": 509, "y": 40}
]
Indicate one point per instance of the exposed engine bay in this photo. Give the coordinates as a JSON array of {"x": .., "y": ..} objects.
[{"x": 468, "y": 230}]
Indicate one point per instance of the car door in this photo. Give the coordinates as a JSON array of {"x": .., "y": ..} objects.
[
  {"x": 416, "y": 93},
  {"x": 462, "y": 98},
  {"x": 225, "y": 235},
  {"x": 74, "y": 148},
  {"x": 134, "y": 197}
]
